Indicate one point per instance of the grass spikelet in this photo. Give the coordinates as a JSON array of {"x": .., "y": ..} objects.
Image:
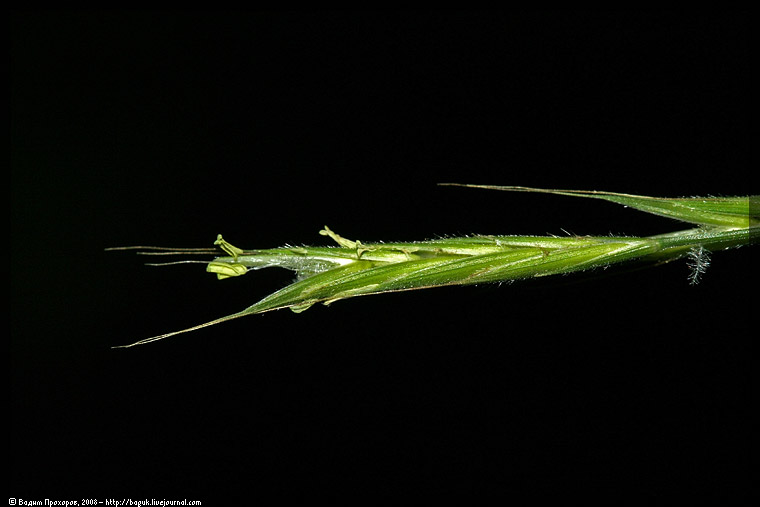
[{"x": 326, "y": 274}]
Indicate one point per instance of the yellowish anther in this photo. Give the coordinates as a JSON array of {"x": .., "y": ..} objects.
[
  {"x": 233, "y": 251},
  {"x": 226, "y": 270},
  {"x": 302, "y": 307},
  {"x": 346, "y": 243}
]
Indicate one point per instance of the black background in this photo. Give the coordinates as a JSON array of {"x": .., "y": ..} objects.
[{"x": 166, "y": 128}]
